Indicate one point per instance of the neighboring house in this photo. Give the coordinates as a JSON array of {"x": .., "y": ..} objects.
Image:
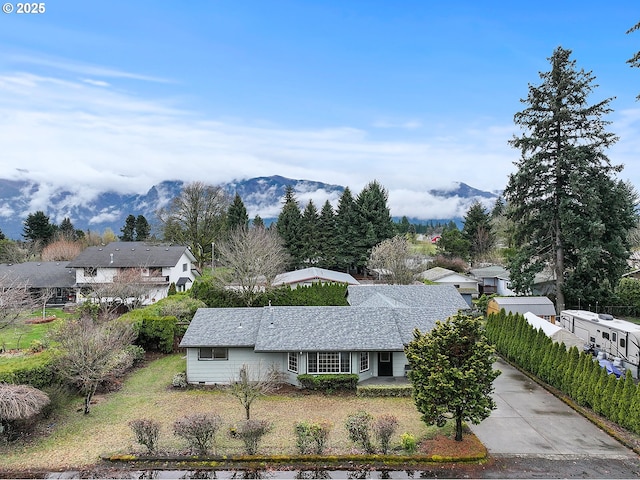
[
  {"x": 540, "y": 306},
  {"x": 154, "y": 265},
  {"x": 493, "y": 280},
  {"x": 466, "y": 286},
  {"x": 54, "y": 279},
  {"x": 366, "y": 338},
  {"x": 311, "y": 275},
  {"x": 544, "y": 283}
]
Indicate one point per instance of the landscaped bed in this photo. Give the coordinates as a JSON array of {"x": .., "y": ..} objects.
[{"x": 71, "y": 440}]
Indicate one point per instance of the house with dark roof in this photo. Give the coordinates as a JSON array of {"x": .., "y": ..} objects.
[
  {"x": 154, "y": 265},
  {"x": 53, "y": 278},
  {"x": 493, "y": 280},
  {"x": 366, "y": 338}
]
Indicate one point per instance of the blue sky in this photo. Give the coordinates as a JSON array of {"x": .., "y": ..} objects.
[{"x": 416, "y": 94}]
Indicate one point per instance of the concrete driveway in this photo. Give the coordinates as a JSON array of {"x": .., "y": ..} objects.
[{"x": 530, "y": 421}]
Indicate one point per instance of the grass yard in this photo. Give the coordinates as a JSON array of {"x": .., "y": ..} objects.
[{"x": 73, "y": 440}]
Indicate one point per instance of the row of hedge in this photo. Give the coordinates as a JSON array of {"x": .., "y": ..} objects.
[
  {"x": 573, "y": 372},
  {"x": 35, "y": 370},
  {"x": 215, "y": 295}
]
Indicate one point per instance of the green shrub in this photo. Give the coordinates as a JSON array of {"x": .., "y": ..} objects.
[
  {"x": 157, "y": 333},
  {"x": 180, "y": 380},
  {"x": 408, "y": 443},
  {"x": 329, "y": 383},
  {"x": 136, "y": 352},
  {"x": 35, "y": 370},
  {"x": 311, "y": 437},
  {"x": 370, "y": 391}
]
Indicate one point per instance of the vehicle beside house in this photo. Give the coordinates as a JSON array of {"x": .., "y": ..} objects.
[
  {"x": 606, "y": 336},
  {"x": 366, "y": 338},
  {"x": 154, "y": 265}
]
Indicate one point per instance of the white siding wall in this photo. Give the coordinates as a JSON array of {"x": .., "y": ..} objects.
[
  {"x": 177, "y": 271},
  {"x": 103, "y": 275},
  {"x": 222, "y": 371}
]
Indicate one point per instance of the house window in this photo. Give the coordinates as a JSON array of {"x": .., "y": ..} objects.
[
  {"x": 385, "y": 357},
  {"x": 328, "y": 362},
  {"x": 293, "y": 362},
  {"x": 364, "y": 361},
  {"x": 90, "y": 271},
  {"x": 212, "y": 353},
  {"x": 185, "y": 266}
]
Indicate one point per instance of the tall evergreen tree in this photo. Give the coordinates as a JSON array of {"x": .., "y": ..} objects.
[
  {"x": 37, "y": 227},
  {"x": 635, "y": 60},
  {"x": 289, "y": 227},
  {"x": 327, "y": 231},
  {"x": 143, "y": 229},
  {"x": 129, "y": 228},
  {"x": 453, "y": 243},
  {"x": 310, "y": 249},
  {"x": 556, "y": 197},
  {"x": 376, "y": 224},
  {"x": 237, "y": 214},
  {"x": 478, "y": 231},
  {"x": 67, "y": 229},
  {"x": 349, "y": 245}
]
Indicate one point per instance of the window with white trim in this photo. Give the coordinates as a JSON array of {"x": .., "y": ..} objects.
[
  {"x": 293, "y": 362},
  {"x": 213, "y": 353},
  {"x": 328, "y": 362},
  {"x": 364, "y": 361}
]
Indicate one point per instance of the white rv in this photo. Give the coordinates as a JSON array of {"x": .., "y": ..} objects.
[{"x": 617, "y": 339}]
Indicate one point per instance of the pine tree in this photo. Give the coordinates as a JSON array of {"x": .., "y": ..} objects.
[
  {"x": 38, "y": 228},
  {"x": 478, "y": 231},
  {"x": 310, "y": 248},
  {"x": 67, "y": 229},
  {"x": 327, "y": 237},
  {"x": 143, "y": 229},
  {"x": 375, "y": 223},
  {"x": 258, "y": 222},
  {"x": 129, "y": 228},
  {"x": 556, "y": 197},
  {"x": 348, "y": 232},
  {"x": 237, "y": 214},
  {"x": 289, "y": 227}
]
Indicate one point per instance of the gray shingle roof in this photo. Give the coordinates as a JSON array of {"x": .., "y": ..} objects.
[
  {"x": 388, "y": 326},
  {"x": 39, "y": 274},
  {"x": 130, "y": 254}
]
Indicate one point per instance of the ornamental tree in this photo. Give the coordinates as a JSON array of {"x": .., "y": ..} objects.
[{"x": 452, "y": 372}]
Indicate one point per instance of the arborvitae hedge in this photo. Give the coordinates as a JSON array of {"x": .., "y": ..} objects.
[
  {"x": 216, "y": 296},
  {"x": 573, "y": 372}
]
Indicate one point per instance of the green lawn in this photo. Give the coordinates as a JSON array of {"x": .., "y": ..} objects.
[
  {"x": 74, "y": 440},
  {"x": 21, "y": 335}
]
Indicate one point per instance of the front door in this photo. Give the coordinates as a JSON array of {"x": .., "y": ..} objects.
[{"x": 385, "y": 364}]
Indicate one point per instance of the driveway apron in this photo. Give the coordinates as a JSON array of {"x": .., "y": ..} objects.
[{"x": 530, "y": 421}]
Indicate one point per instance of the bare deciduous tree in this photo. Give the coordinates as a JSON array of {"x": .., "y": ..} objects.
[
  {"x": 394, "y": 257},
  {"x": 254, "y": 256},
  {"x": 253, "y": 383},
  {"x": 196, "y": 218},
  {"x": 15, "y": 300},
  {"x": 91, "y": 352},
  {"x": 62, "y": 249},
  {"x": 127, "y": 289}
]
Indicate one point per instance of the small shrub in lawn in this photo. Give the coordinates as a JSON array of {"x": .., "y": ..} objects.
[
  {"x": 146, "y": 432},
  {"x": 136, "y": 352},
  {"x": 251, "y": 432},
  {"x": 384, "y": 427},
  {"x": 359, "y": 427},
  {"x": 180, "y": 380},
  {"x": 408, "y": 443},
  {"x": 312, "y": 437},
  {"x": 199, "y": 430}
]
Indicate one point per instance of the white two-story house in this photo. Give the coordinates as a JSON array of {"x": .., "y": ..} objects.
[{"x": 155, "y": 266}]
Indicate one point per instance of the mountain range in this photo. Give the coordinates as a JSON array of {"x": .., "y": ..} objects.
[{"x": 261, "y": 195}]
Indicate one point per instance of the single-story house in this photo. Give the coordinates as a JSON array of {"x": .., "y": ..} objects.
[
  {"x": 311, "y": 275},
  {"x": 540, "y": 306},
  {"x": 466, "y": 286},
  {"x": 53, "y": 278},
  {"x": 366, "y": 338},
  {"x": 554, "y": 332},
  {"x": 155, "y": 266},
  {"x": 493, "y": 280}
]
